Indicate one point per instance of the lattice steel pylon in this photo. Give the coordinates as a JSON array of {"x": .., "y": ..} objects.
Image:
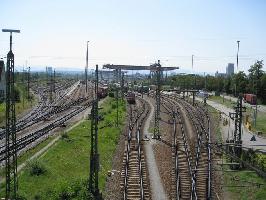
[
  {"x": 11, "y": 140},
  {"x": 94, "y": 156},
  {"x": 158, "y": 72},
  {"x": 237, "y": 116}
]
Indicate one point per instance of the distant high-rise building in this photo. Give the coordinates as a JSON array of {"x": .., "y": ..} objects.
[
  {"x": 230, "y": 69},
  {"x": 2, "y": 81},
  {"x": 49, "y": 70}
]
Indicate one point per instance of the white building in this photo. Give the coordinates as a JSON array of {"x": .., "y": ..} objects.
[{"x": 2, "y": 81}]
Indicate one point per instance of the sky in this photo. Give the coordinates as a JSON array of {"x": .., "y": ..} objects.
[{"x": 136, "y": 32}]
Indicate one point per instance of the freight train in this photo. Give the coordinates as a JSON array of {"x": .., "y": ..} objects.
[
  {"x": 102, "y": 92},
  {"x": 131, "y": 98},
  {"x": 250, "y": 98}
]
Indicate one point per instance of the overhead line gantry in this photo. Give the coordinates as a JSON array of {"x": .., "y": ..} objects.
[{"x": 158, "y": 70}]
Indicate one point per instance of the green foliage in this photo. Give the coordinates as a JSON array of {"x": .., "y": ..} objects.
[
  {"x": 67, "y": 163},
  {"x": 244, "y": 185},
  {"x": 36, "y": 168},
  {"x": 253, "y": 82},
  {"x": 65, "y": 137},
  {"x": 111, "y": 94}
]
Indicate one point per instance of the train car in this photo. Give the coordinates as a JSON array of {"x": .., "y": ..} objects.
[
  {"x": 102, "y": 92},
  {"x": 250, "y": 98},
  {"x": 131, "y": 98}
]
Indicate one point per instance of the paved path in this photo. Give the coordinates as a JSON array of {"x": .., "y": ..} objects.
[
  {"x": 261, "y": 108},
  {"x": 229, "y": 129},
  {"x": 157, "y": 189}
]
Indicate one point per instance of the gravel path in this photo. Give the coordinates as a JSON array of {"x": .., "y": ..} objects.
[{"x": 157, "y": 190}]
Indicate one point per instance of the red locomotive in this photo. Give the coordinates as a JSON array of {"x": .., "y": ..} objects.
[
  {"x": 131, "y": 98},
  {"x": 102, "y": 92},
  {"x": 250, "y": 98}
]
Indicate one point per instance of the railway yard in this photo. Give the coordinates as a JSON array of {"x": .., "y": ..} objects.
[
  {"x": 132, "y": 100},
  {"x": 185, "y": 161},
  {"x": 188, "y": 159}
]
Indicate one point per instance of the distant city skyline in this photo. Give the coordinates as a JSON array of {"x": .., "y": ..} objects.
[{"x": 54, "y": 33}]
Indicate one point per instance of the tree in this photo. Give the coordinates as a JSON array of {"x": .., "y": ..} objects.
[
  {"x": 255, "y": 73},
  {"x": 240, "y": 82},
  {"x": 263, "y": 88},
  {"x": 255, "y": 78},
  {"x": 228, "y": 85}
]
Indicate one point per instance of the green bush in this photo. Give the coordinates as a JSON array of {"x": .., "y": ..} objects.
[
  {"x": 76, "y": 190},
  {"x": 36, "y": 168},
  {"x": 65, "y": 137},
  {"x": 111, "y": 94}
]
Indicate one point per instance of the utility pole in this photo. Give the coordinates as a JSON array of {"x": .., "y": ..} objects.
[
  {"x": 237, "y": 53},
  {"x": 11, "y": 140},
  {"x": 54, "y": 82},
  {"x": 205, "y": 81},
  {"x": 94, "y": 155},
  {"x": 86, "y": 69},
  {"x": 141, "y": 89},
  {"x": 117, "y": 106},
  {"x": 23, "y": 83},
  {"x": 28, "y": 84},
  {"x": 51, "y": 86},
  {"x": 156, "y": 133},
  {"x": 192, "y": 61},
  {"x": 122, "y": 85}
]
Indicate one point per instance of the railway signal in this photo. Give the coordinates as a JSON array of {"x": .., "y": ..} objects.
[{"x": 11, "y": 140}]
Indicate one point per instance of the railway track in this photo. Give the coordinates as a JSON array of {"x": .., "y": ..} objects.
[
  {"x": 41, "y": 123},
  {"x": 134, "y": 182},
  {"x": 191, "y": 172}
]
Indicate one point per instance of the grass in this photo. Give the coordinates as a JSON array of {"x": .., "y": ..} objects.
[
  {"x": 67, "y": 162},
  {"x": 21, "y": 106},
  {"x": 241, "y": 184},
  {"x": 220, "y": 100},
  {"x": 25, "y": 156},
  {"x": 244, "y": 185},
  {"x": 261, "y": 125}
]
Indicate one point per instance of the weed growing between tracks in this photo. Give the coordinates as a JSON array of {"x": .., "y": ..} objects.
[{"x": 67, "y": 162}]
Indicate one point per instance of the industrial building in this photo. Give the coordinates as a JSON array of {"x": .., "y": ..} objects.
[{"x": 2, "y": 81}]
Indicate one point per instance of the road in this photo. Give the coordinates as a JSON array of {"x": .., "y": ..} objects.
[{"x": 260, "y": 142}]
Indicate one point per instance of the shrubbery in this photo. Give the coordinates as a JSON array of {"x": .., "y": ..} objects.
[{"x": 36, "y": 168}]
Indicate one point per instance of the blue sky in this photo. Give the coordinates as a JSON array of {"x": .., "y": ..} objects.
[{"x": 54, "y": 32}]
